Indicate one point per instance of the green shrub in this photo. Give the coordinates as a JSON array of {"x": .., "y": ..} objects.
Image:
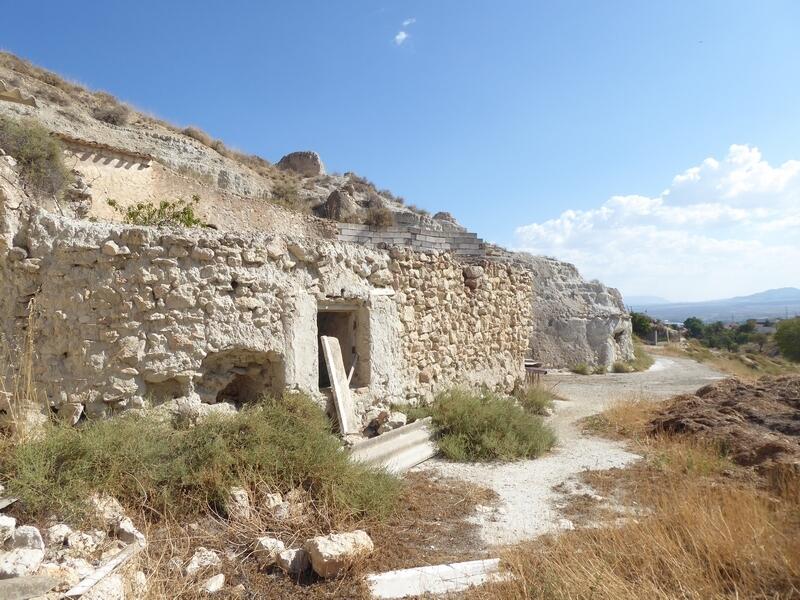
[
  {"x": 379, "y": 217},
  {"x": 600, "y": 370},
  {"x": 642, "y": 324},
  {"x": 535, "y": 399},
  {"x": 787, "y": 337},
  {"x": 283, "y": 443},
  {"x": 39, "y": 156},
  {"x": 179, "y": 213},
  {"x": 581, "y": 369},
  {"x": 482, "y": 427}
]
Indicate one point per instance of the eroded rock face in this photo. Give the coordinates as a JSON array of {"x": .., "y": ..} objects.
[
  {"x": 307, "y": 163},
  {"x": 575, "y": 321}
]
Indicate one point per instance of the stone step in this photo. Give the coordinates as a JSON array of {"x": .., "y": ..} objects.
[{"x": 400, "y": 449}]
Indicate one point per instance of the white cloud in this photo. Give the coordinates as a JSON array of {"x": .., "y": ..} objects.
[
  {"x": 402, "y": 35},
  {"x": 722, "y": 228}
]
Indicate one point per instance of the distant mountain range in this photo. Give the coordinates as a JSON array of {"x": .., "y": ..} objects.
[{"x": 763, "y": 305}]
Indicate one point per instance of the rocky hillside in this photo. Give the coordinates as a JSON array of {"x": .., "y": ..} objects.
[{"x": 129, "y": 156}]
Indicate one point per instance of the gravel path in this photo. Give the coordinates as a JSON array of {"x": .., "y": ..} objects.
[{"x": 528, "y": 503}]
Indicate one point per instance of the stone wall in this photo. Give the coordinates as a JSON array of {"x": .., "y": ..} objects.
[
  {"x": 128, "y": 317},
  {"x": 461, "y": 243},
  {"x": 462, "y": 323}
]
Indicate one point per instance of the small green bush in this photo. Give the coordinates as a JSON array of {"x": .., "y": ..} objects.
[
  {"x": 286, "y": 194},
  {"x": 535, "y": 399},
  {"x": 600, "y": 370},
  {"x": 642, "y": 324},
  {"x": 787, "y": 337},
  {"x": 179, "y": 213},
  {"x": 581, "y": 369},
  {"x": 39, "y": 156},
  {"x": 284, "y": 444},
  {"x": 483, "y": 427}
]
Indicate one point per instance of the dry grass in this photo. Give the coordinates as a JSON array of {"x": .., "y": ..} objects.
[
  {"x": 624, "y": 418},
  {"x": 702, "y": 541},
  {"x": 710, "y": 530},
  {"x": 20, "y": 399},
  {"x": 742, "y": 364},
  {"x": 379, "y": 217},
  {"x": 427, "y": 528}
]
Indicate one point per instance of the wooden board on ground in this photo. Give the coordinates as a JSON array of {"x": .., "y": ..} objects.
[{"x": 339, "y": 383}]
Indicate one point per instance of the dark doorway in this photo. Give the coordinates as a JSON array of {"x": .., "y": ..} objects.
[{"x": 348, "y": 325}]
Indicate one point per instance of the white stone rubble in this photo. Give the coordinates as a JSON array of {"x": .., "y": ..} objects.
[
  {"x": 330, "y": 554},
  {"x": 267, "y": 550}
]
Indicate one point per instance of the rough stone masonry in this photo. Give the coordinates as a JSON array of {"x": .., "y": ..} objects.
[{"x": 128, "y": 317}]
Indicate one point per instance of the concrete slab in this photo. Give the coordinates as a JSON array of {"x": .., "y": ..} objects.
[
  {"x": 400, "y": 449},
  {"x": 436, "y": 579},
  {"x": 339, "y": 384},
  {"x": 22, "y": 588}
]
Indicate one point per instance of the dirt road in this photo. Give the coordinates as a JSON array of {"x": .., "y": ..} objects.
[{"x": 528, "y": 503}]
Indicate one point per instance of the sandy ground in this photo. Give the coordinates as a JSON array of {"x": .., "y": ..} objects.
[{"x": 528, "y": 503}]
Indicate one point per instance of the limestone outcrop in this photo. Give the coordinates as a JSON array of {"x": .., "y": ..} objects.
[
  {"x": 305, "y": 163},
  {"x": 575, "y": 321}
]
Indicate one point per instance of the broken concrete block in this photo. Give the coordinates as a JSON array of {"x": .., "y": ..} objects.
[
  {"x": 27, "y": 587},
  {"x": 330, "y": 554},
  {"x": 294, "y": 561},
  {"x": 267, "y": 550}
]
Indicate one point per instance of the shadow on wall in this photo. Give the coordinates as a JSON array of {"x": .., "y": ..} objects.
[{"x": 239, "y": 376}]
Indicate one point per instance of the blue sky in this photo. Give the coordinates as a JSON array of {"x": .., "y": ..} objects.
[{"x": 509, "y": 114}]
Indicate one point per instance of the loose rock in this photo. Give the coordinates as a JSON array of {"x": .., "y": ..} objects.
[
  {"x": 214, "y": 584},
  {"x": 267, "y": 550},
  {"x": 330, "y": 554},
  {"x": 202, "y": 558},
  {"x": 294, "y": 561}
]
